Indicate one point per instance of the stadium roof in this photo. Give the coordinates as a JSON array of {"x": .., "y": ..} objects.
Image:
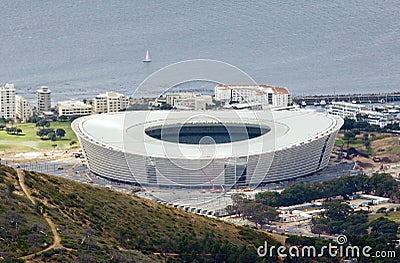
[{"x": 125, "y": 131}]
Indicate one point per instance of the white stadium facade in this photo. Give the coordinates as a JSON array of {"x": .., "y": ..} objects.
[{"x": 200, "y": 149}]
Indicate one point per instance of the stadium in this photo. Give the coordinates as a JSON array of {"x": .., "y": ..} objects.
[{"x": 206, "y": 149}]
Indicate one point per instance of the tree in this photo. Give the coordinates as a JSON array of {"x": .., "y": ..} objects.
[
  {"x": 230, "y": 209},
  {"x": 261, "y": 214},
  {"x": 63, "y": 118},
  {"x": 384, "y": 228},
  {"x": 355, "y": 131},
  {"x": 239, "y": 201},
  {"x": 44, "y": 132},
  {"x": 165, "y": 106},
  {"x": 319, "y": 229},
  {"x": 350, "y": 135},
  {"x": 52, "y": 136},
  {"x": 348, "y": 124},
  {"x": 60, "y": 133},
  {"x": 269, "y": 198},
  {"x": 73, "y": 142},
  {"x": 11, "y": 130},
  {"x": 89, "y": 238},
  {"x": 337, "y": 210},
  {"x": 42, "y": 123},
  {"x": 11, "y": 189},
  {"x": 38, "y": 207},
  {"x": 33, "y": 240}
]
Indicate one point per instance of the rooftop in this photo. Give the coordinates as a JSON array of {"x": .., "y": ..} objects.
[
  {"x": 73, "y": 104},
  {"x": 262, "y": 88},
  {"x": 8, "y": 86},
  {"x": 44, "y": 89},
  {"x": 110, "y": 94},
  {"x": 126, "y": 131}
]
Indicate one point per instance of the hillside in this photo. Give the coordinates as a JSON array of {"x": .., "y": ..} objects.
[{"x": 65, "y": 221}]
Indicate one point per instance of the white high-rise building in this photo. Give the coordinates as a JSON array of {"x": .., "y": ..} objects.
[
  {"x": 110, "y": 102},
  {"x": 23, "y": 110},
  {"x": 267, "y": 96},
  {"x": 43, "y": 99},
  {"x": 7, "y": 101}
]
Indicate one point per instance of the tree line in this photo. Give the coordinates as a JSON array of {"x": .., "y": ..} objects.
[
  {"x": 362, "y": 125},
  {"x": 378, "y": 184},
  {"x": 51, "y": 133},
  {"x": 252, "y": 210}
]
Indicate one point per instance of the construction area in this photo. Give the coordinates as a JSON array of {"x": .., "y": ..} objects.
[{"x": 371, "y": 152}]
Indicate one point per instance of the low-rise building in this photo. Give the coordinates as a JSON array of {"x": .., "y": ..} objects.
[
  {"x": 268, "y": 96},
  {"x": 171, "y": 97},
  {"x": 73, "y": 109},
  {"x": 23, "y": 110},
  {"x": 376, "y": 118},
  {"x": 110, "y": 102},
  {"x": 345, "y": 109},
  {"x": 48, "y": 115},
  {"x": 158, "y": 102},
  {"x": 360, "y": 112},
  {"x": 198, "y": 102},
  {"x": 376, "y": 200}
]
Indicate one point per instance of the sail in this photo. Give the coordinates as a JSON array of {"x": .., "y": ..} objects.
[{"x": 147, "y": 58}]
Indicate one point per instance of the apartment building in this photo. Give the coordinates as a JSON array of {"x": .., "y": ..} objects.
[
  {"x": 267, "y": 96},
  {"x": 23, "y": 110},
  {"x": 110, "y": 102},
  {"x": 43, "y": 96},
  {"x": 7, "y": 101}
]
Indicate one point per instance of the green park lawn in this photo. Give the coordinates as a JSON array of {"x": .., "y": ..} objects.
[
  {"x": 394, "y": 216},
  {"x": 28, "y": 141}
]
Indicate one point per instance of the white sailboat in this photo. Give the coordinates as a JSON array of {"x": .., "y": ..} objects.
[{"x": 147, "y": 58}]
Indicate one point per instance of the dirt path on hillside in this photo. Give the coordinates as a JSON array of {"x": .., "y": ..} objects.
[{"x": 56, "y": 237}]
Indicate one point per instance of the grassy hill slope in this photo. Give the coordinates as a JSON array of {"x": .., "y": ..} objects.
[{"x": 99, "y": 225}]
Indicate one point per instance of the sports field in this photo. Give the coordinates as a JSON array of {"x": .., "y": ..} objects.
[{"x": 28, "y": 141}]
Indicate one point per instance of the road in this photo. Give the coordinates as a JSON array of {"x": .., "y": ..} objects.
[{"x": 298, "y": 229}]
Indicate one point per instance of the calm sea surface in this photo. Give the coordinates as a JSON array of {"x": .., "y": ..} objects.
[{"x": 81, "y": 48}]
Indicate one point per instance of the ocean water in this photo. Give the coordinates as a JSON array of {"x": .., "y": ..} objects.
[{"x": 81, "y": 48}]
